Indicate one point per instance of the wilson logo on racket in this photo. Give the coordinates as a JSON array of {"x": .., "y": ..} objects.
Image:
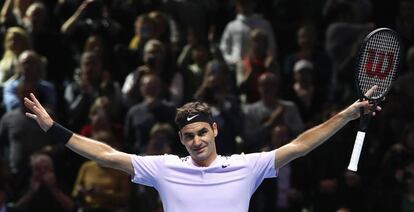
[{"x": 380, "y": 57}]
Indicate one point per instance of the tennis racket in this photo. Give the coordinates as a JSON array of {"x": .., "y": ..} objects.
[{"x": 377, "y": 65}]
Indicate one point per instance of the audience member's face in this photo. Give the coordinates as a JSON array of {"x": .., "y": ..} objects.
[
  {"x": 306, "y": 38},
  {"x": 259, "y": 48},
  {"x": 143, "y": 28},
  {"x": 268, "y": 85},
  {"x": 15, "y": 43},
  {"x": 99, "y": 117},
  {"x": 153, "y": 56},
  {"x": 31, "y": 66},
  {"x": 90, "y": 67},
  {"x": 40, "y": 167},
  {"x": 150, "y": 86}
]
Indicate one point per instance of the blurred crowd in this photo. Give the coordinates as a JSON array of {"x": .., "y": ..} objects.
[{"x": 115, "y": 70}]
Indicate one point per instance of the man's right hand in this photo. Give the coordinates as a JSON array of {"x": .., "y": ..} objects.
[{"x": 39, "y": 113}]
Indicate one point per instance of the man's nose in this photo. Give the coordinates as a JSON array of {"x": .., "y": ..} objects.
[{"x": 197, "y": 140}]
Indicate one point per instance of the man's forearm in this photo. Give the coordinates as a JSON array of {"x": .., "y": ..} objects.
[
  {"x": 310, "y": 139},
  {"x": 317, "y": 135},
  {"x": 89, "y": 148}
]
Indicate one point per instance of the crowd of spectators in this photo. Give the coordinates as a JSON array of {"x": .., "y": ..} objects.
[{"x": 115, "y": 70}]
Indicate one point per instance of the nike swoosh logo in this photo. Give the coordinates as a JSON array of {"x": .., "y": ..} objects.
[{"x": 192, "y": 117}]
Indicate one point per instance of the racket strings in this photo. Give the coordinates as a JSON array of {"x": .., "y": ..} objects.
[{"x": 378, "y": 63}]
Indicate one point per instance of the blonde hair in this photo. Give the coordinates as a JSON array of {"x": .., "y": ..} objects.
[
  {"x": 9, "y": 58},
  {"x": 21, "y": 33}
]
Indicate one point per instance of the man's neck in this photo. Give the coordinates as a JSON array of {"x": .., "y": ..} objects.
[{"x": 205, "y": 163}]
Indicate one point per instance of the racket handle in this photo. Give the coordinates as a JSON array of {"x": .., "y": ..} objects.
[{"x": 356, "y": 152}]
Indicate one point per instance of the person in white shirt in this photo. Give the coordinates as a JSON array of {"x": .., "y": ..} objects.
[
  {"x": 235, "y": 37},
  {"x": 203, "y": 181}
]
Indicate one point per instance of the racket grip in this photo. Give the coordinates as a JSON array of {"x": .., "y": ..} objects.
[{"x": 356, "y": 152}]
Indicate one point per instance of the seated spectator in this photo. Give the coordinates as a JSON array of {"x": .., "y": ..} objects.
[
  {"x": 253, "y": 64},
  {"x": 101, "y": 120},
  {"x": 15, "y": 42},
  {"x": 305, "y": 95},
  {"x": 44, "y": 192},
  {"x": 90, "y": 81},
  {"x": 99, "y": 188},
  {"x": 142, "y": 117},
  {"x": 155, "y": 62},
  {"x": 21, "y": 137},
  {"x": 269, "y": 111},
  {"x": 32, "y": 69}
]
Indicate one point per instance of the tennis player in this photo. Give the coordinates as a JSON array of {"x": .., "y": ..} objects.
[{"x": 203, "y": 181}]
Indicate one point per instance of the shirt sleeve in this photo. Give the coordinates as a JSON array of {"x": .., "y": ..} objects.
[
  {"x": 262, "y": 164},
  {"x": 146, "y": 169}
]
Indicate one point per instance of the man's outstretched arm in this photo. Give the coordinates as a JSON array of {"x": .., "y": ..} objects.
[
  {"x": 89, "y": 148},
  {"x": 315, "y": 136}
]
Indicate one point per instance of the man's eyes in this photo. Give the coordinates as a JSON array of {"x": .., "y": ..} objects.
[{"x": 191, "y": 136}]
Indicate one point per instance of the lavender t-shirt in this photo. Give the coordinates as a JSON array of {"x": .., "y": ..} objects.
[{"x": 226, "y": 185}]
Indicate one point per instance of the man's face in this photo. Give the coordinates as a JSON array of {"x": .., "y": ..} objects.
[
  {"x": 199, "y": 140},
  {"x": 31, "y": 66},
  {"x": 91, "y": 67}
]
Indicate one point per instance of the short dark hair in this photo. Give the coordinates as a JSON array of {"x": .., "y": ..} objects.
[{"x": 191, "y": 109}]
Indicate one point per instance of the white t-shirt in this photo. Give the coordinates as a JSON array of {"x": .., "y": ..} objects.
[{"x": 226, "y": 185}]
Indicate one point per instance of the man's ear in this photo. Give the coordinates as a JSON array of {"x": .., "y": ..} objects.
[{"x": 215, "y": 129}]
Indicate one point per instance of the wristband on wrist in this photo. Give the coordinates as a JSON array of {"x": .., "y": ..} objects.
[{"x": 59, "y": 133}]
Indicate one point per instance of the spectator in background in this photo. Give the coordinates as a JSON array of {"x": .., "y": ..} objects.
[
  {"x": 46, "y": 42},
  {"x": 101, "y": 119},
  {"x": 155, "y": 63},
  {"x": 90, "y": 81},
  {"x": 45, "y": 192},
  {"x": 144, "y": 115},
  {"x": 268, "y": 112},
  {"x": 100, "y": 189},
  {"x": 91, "y": 17},
  {"x": 15, "y": 42},
  {"x": 342, "y": 39},
  {"x": 18, "y": 135},
  {"x": 308, "y": 48},
  {"x": 215, "y": 90},
  {"x": 32, "y": 70},
  {"x": 144, "y": 30},
  {"x": 165, "y": 29},
  {"x": 305, "y": 95},
  {"x": 394, "y": 175},
  {"x": 255, "y": 62},
  {"x": 192, "y": 73},
  {"x": 96, "y": 43},
  {"x": 235, "y": 38},
  {"x": 397, "y": 110}
]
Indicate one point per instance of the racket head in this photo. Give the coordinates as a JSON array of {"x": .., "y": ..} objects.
[{"x": 378, "y": 63}]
